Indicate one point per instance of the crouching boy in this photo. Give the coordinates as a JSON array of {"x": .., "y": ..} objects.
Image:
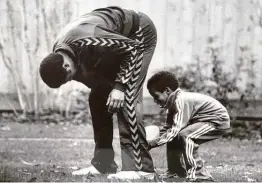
[{"x": 192, "y": 119}]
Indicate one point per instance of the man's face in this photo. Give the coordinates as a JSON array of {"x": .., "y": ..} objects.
[{"x": 160, "y": 98}]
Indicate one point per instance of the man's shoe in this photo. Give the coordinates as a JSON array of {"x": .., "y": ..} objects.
[
  {"x": 87, "y": 171},
  {"x": 132, "y": 175}
]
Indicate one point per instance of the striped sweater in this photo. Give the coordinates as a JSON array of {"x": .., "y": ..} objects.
[
  {"x": 185, "y": 108},
  {"x": 103, "y": 30}
]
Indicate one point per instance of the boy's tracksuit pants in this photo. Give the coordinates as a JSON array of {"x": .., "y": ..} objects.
[{"x": 182, "y": 153}]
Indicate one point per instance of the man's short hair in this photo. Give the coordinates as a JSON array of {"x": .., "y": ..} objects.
[
  {"x": 160, "y": 80},
  {"x": 51, "y": 70}
]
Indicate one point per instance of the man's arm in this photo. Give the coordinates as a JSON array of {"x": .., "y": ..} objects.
[
  {"x": 84, "y": 35},
  {"x": 89, "y": 34},
  {"x": 172, "y": 132},
  {"x": 118, "y": 44}
]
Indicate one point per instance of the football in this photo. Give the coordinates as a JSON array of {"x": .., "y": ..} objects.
[{"x": 152, "y": 132}]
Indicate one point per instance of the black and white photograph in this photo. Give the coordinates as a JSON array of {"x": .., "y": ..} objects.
[{"x": 131, "y": 91}]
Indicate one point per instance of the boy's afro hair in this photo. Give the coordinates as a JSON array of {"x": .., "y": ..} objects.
[
  {"x": 51, "y": 70},
  {"x": 160, "y": 80}
]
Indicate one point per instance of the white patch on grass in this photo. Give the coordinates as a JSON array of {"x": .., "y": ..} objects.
[
  {"x": 74, "y": 168},
  {"x": 5, "y": 128}
]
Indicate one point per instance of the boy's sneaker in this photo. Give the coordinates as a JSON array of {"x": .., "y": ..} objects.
[
  {"x": 168, "y": 175},
  {"x": 202, "y": 176}
]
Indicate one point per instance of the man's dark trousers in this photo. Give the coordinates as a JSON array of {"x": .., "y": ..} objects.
[{"x": 103, "y": 124}]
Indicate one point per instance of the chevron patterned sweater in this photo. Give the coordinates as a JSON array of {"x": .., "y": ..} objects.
[{"x": 103, "y": 39}]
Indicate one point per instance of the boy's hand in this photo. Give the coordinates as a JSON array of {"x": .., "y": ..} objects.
[
  {"x": 115, "y": 100},
  {"x": 152, "y": 144}
]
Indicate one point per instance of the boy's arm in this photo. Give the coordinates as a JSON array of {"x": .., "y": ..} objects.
[{"x": 172, "y": 132}]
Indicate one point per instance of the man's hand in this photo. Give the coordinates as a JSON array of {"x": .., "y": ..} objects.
[{"x": 115, "y": 100}]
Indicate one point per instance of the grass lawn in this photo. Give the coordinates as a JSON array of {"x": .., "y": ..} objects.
[{"x": 38, "y": 152}]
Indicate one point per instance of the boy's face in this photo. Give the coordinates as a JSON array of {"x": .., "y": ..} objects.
[{"x": 160, "y": 98}]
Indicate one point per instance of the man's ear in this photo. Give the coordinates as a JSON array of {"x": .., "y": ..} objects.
[{"x": 168, "y": 90}]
